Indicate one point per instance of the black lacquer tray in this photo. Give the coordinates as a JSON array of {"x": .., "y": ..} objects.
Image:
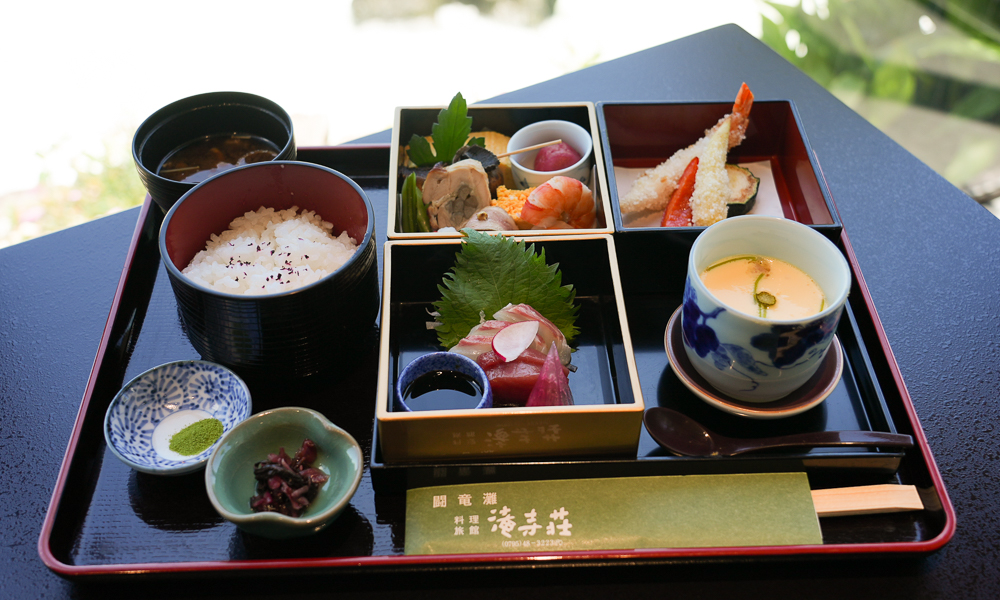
[{"x": 107, "y": 520}]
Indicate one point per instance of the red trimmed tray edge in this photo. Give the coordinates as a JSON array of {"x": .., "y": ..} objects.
[
  {"x": 44, "y": 551},
  {"x": 948, "y": 531}
]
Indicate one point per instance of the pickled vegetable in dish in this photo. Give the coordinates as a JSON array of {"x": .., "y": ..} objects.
[
  {"x": 764, "y": 287},
  {"x": 285, "y": 484},
  {"x": 552, "y": 388},
  {"x": 556, "y": 157},
  {"x": 198, "y": 160}
]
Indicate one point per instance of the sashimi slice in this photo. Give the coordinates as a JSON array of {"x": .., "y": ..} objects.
[
  {"x": 512, "y": 382},
  {"x": 547, "y": 330},
  {"x": 480, "y": 339}
]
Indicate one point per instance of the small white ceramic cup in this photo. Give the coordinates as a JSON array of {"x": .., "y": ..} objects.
[
  {"x": 522, "y": 165},
  {"x": 748, "y": 357}
]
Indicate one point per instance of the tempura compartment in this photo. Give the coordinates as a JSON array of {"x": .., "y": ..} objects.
[
  {"x": 506, "y": 119},
  {"x": 606, "y": 418},
  {"x": 639, "y": 136}
]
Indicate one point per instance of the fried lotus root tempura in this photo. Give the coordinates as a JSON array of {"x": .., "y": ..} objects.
[{"x": 652, "y": 190}]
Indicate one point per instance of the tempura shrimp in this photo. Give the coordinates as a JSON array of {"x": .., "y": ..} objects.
[
  {"x": 560, "y": 203},
  {"x": 652, "y": 190}
]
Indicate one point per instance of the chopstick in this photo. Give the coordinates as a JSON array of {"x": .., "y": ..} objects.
[
  {"x": 866, "y": 500},
  {"x": 529, "y": 148}
]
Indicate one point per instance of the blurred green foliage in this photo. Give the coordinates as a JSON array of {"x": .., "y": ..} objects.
[
  {"x": 892, "y": 50},
  {"x": 103, "y": 186},
  {"x": 886, "y": 58}
]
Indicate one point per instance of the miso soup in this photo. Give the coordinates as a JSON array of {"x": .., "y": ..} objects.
[
  {"x": 202, "y": 158},
  {"x": 764, "y": 287}
]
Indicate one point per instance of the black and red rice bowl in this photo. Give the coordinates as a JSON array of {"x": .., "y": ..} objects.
[{"x": 299, "y": 332}]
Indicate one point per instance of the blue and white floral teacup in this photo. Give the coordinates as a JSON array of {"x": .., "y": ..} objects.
[{"x": 745, "y": 356}]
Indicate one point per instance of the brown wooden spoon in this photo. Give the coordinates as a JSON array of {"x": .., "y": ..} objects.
[{"x": 682, "y": 435}]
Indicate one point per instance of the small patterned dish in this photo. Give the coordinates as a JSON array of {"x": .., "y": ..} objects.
[
  {"x": 166, "y": 421},
  {"x": 231, "y": 483}
]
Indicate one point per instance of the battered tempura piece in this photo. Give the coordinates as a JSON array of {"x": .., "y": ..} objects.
[
  {"x": 709, "y": 202},
  {"x": 652, "y": 190}
]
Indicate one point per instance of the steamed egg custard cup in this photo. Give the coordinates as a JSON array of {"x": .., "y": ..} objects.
[
  {"x": 230, "y": 481},
  {"x": 748, "y": 357},
  {"x": 159, "y": 403}
]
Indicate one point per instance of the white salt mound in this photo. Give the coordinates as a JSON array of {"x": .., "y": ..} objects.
[{"x": 268, "y": 251}]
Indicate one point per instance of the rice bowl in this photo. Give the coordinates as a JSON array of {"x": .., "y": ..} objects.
[{"x": 288, "y": 332}]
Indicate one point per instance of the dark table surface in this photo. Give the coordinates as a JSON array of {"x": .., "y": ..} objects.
[{"x": 930, "y": 256}]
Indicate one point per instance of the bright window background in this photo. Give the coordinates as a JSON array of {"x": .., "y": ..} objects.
[{"x": 80, "y": 77}]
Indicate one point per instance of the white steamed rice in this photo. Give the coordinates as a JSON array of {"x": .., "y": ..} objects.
[{"x": 268, "y": 251}]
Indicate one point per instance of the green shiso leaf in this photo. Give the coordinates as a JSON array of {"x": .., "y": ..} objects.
[
  {"x": 450, "y": 133},
  {"x": 493, "y": 271}
]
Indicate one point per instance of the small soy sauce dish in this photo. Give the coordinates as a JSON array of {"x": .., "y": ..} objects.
[
  {"x": 442, "y": 381},
  {"x": 167, "y": 420}
]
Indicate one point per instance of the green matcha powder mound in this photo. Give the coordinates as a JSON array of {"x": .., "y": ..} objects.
[{"x": 196, "y": 437}]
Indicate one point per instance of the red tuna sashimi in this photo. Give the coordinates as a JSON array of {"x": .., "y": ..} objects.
[
  {"x": 513, "y": 381},
  {"x": 546, "y": 329}
]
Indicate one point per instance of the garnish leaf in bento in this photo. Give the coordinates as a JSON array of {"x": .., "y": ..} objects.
[
  {"x": 450, "y": 133},
  {"x": 491, "y": 272}
]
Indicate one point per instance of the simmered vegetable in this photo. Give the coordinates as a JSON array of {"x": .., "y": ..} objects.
[
  {"x": 413, "y": 213},
  {"x": 743, "y": 187}
]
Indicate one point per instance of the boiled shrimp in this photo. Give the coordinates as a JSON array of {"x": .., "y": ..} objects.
[
  {"x": 652, "y": 190},
  {"x": 560, "y": 203}
]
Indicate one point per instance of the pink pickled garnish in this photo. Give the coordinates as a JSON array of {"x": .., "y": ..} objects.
[
  {"x": 552, "y": 387},
  {"x": 556, "y": 157}
]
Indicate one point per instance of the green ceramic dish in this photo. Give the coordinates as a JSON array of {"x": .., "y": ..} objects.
[{"x": 230, "y": 481}]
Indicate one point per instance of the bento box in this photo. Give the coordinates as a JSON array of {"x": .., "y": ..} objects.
[
  {"x": 640, "y": 136},
  {"x": 606, "y": 415},
  {"x": 497, "y": 124}
]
